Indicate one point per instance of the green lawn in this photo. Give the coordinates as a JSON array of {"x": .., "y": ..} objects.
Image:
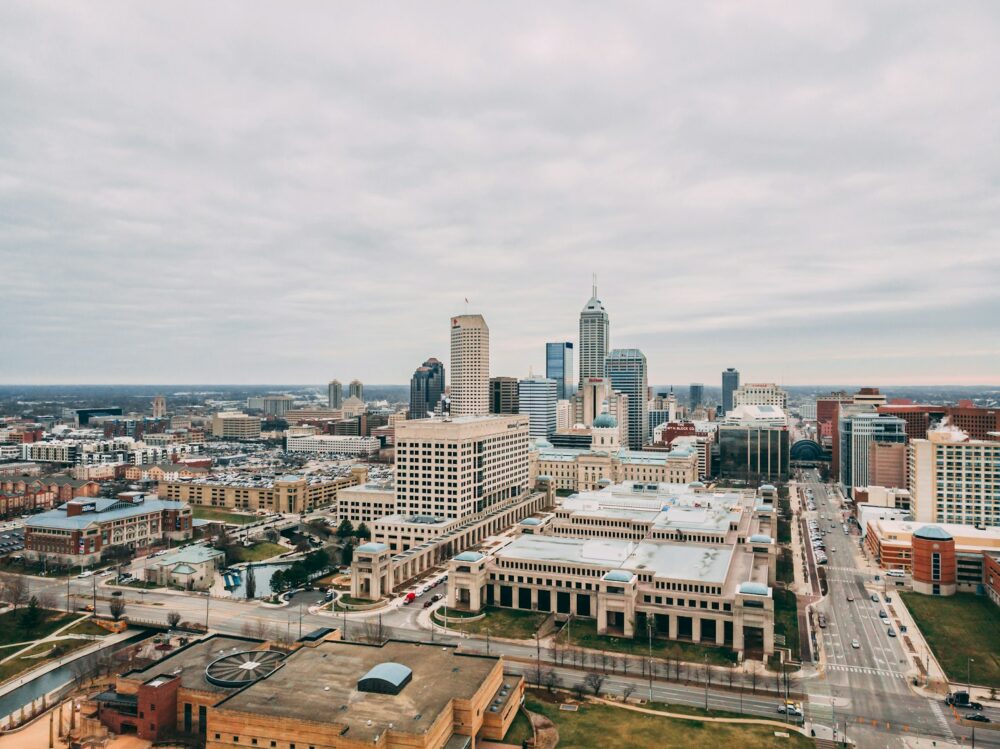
[
  {"x": 12, "y": 628},
  {"x": 583, "y": 633},
  {"x": 86, "y": 627},
  {"x": 520, "y": 729},
  {"x": 38, "y": 655},
  {"x": 512, "y": 623},
  {"x": 957, "y": 628},
  {"x": 257, "y": 552},
  {"x": 786, "y": 618},
  {"x": 201, "y": 512},
  {"x": 603, "y": 726}
]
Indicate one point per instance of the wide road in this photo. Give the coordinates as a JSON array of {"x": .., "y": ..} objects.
[{"x": 865, "y": 689}]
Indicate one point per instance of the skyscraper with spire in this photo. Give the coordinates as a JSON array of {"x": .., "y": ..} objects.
[{"x": 594, "y": 338}]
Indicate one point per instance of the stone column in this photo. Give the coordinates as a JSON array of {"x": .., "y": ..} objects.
[
  {"x": 672, "y": 627},
  {"x": 720, "y": 631},
  {"x": 695, "y": 629}
]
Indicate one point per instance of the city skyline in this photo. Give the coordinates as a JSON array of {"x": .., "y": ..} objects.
[{"x": 758, "y": 188}]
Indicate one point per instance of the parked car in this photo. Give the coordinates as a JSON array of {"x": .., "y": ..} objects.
[
  {"x": 790, "y": 708},
  {"x": 875, "y": 597},
  {"x": 855, "y": 644},
  {"x": 978, "y": 718}
]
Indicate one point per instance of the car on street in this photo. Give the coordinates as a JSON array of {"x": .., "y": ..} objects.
[
  {"x": 822, "y": 621},
  {"x": 855, "y": 644},
  {"x": 85, "y": 573},
  {"x": 428, "y": 603},
  {"x": 791, "y": 708},
  {"x": 850, "y": 598},
  {"x": 978, "y": 718},
  {"x": 875, "y": 597}
]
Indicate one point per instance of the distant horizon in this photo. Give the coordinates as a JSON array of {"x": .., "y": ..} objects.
[{"x": 841, "y": 386}]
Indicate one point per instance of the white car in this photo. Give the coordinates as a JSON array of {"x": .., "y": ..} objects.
[{"x": 855, "y": 644}]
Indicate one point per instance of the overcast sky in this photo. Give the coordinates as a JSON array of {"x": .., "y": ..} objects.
[{"x": 290, "y": 192}]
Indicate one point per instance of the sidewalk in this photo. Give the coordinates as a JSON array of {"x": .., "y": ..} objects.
[{"x": 111, "y": 639}]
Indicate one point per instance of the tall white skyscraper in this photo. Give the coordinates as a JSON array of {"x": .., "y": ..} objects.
[
  {"x": 335, "y": 394},
  {"x": 594, "y": 338},
  {"x": 470, "y": 366},
  {"x": 536, "y": 398}
]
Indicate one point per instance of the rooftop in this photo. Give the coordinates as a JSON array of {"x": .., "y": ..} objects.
[
  {"x": 666, "y": 559},
  {"x": 105, "y": 510},
  {"x": 321, "y": 684},
  {"x": 190, "y": 661}
]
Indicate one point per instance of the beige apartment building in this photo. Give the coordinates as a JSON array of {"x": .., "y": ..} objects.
[
  {"x": 953, "y": 479},
  {"x": 760, "y": 394},
  {"x": 366, "y": 503},
  {"x": 455, "y": 467},
  {"x": 288, "y": 494},
  {"x": 233, "y": 425}
]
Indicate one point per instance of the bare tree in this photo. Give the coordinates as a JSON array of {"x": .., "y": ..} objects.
[
  {"x": 579, "y": 689},
  {"x": 117, "y": 608},
  {"x": 15, "y": 590},
  {"x": 47, "y": 600},
  {"x": 173, "y": 619},
  {"x": 594, "y": 681},
  {"x": 551, "y": 680},
  {"x": 627, "y": 692}
]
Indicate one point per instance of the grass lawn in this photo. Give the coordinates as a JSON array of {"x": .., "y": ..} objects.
[
  {"x": 583, "y": 634},
  {"x": 86, "y": 627},
  {"x": 223, "y": 516},
  {"x": 11, "y": 629},
  {"x": 601, "y": 726},
  {"x": 257, "y": 552},
  {"x": 512, "y": 623},
  {"x": 519, "y": 730},
  {"x": 38, "y": 655},
  {"x": 786, "y": 618},
  {"x": 957, "y": 628}
]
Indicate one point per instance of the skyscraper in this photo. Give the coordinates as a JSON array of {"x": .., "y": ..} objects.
[
  {"x": 426, "y": 388},
  {"x": 857, "y": 432},
  {"x": 559, "y": 367},
  {"x": 696, "y": 395},
  {"x": 470, "y": 366},
  {"x": 536, "y": 398},
  {"x": 159, "y": 407},
  {"x": 503, "y": 395},
  {"x": 626, "y": 368},
  {"x": 730, "y": 381},
  {"x": 356, "y": 390},
  {"x": 594, "y": 338},
  {"x": 335, "y": 394}
]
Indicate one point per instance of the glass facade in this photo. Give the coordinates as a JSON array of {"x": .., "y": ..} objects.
[
  {"x": 753, "y": 454},
  {"x": 559, "y": 367}
]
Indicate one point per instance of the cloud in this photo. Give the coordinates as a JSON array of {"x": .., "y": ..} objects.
[{"x": 268, "y": 192}]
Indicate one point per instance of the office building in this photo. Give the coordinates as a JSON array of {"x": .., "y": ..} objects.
[
  {"x": 696, "y": 395},
  {"x": 456, "y": 467},
  {"x": 954, "y": 479},
  {"x": 226, "y": 691},
  {"x": 426, "y": 388},
  {"x": 595, "y": 339},
  {"x": 626, "y": 369},
  {"x": 276, "y": 405},
  {"x": 753, "y": 453},
  {"x": 857, "y": 432},
  {"x": 760, "y": 394},
  {"x": 367, "y": 502},
  {"x": 159, "y": 407},
  {"x": 559, "y": 367},
  {"x": 941, "y": 558},
  {"x": 470, "y": 366},
  {"x": 84, "y": 530},
  {"x": 668, "y": 561},
  {"x": 564, "y": 415},
  {"x": 355, "y": 389},
  {"x": 887, "y": 464},
  {"x": 537, "y": 397},
  {"x": 254, "y": 492},
  {"x": 595, "y": 397},
  {"x": 730, "y": 381},
  {"x": 332, "y": 444},
  {"x": 976, "y": 422},
  {"x": 334, "y": 394},
  {"x": 232, "y": 425},
  {"x": 503, "y": 395}
]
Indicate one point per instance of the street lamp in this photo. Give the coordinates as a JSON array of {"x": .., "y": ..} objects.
[{"x": 968, "y": 675}]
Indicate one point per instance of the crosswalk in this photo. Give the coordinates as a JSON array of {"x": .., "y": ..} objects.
[
  {"x": 866, "y": 670},
  {"x": 938, "y": 712}
]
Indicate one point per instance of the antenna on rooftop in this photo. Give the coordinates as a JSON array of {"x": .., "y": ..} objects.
[{"x": 595, "y": 286}]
